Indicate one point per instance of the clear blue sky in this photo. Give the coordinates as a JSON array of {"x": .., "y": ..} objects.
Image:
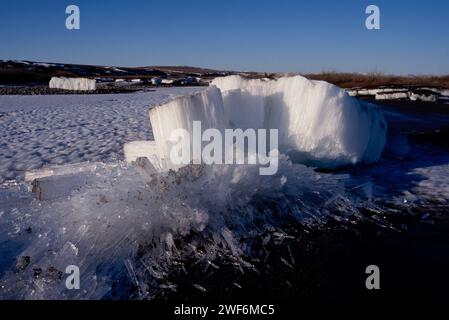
[{"x": 281, "y": 35}]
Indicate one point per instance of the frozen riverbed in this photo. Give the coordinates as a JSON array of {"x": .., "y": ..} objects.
[{"x": 36, "y": 131}]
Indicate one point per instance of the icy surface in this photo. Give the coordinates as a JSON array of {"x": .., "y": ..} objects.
[
  {"x": 434, "y": 185},
  {"x": 320, "y": 122},
  {"x": 123, "y": 230},
  {"x": 37, "y": 131},
  {"x": 75, "y": 84},
  {"x": 126, "y": 230}
]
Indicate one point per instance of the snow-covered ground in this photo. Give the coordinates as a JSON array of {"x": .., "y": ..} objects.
[{"x": 36, "y": 131}]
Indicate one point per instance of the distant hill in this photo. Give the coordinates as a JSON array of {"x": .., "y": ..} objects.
[
  {"x": 23, "y": 72},
  {"x": 28, "y": 72}
]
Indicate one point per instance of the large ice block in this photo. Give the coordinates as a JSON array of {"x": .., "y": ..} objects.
[
  {"x": 205, "y": 106},
  {"x": 75, "y": 84},
  {"x": 317, "y": 121}
]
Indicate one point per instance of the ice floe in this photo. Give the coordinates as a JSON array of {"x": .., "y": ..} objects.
[
  {"x": 74, "y": 84},
  {"x": 415, "y": 94}
]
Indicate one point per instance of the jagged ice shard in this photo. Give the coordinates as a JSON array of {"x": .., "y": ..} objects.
[{"x": 319, "y": 124}]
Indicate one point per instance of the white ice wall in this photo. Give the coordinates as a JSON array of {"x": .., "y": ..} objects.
[
  {"x": 318, "y": 122},
  {"x": 205, "y": 106},
  {"x": 75, "y": 84},
  {"x": 316, "y": 118}
]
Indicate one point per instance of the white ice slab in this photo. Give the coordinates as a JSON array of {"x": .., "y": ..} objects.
[
  {"x": 315, "y": 118},
  {"x": 76, "y": 84}
]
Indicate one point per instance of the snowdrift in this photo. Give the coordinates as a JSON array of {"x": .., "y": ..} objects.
[
  {"x": 75, "y": 84},
  {"x": 319, "y": 124}
]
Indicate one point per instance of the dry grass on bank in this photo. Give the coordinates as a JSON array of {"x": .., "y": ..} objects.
[{"x": 375, "y": 80}]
